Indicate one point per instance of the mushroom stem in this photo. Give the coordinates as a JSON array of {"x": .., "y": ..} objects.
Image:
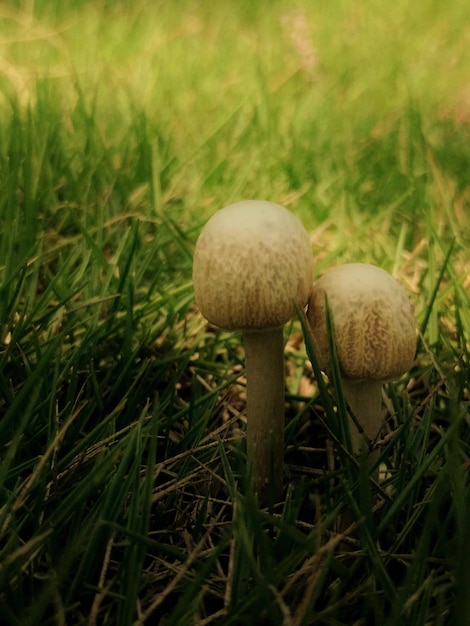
[
  {"x": 365, "y": 402},
  {"x": 264, "y": 362}
]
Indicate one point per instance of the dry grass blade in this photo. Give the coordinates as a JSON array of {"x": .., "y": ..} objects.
[
  {"x": 102, "y": 584},
  {"x": 183, "y": 571}
]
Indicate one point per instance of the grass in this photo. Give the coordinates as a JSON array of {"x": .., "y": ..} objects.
[{"x": 124, "y": 495}]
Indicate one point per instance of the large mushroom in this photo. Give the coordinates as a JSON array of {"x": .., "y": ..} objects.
[
  {"x": 252, "y": 268},
  {"x": 375, "y": 338}
]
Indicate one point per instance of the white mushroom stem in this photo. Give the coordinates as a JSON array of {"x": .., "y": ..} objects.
[
  {"x": 264, "y": 362},
  {"x": 365, "y": 402}
]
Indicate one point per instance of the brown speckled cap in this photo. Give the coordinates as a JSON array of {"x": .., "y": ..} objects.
[
  {"x": 373, "y": 322},
  {"x": 252, "y": 264}
]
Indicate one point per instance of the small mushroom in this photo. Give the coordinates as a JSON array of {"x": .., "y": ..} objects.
[
  {"x": 375, "y": 338},
  {"x": 252, "y": 268}
]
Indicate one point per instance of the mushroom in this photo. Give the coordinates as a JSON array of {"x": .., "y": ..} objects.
[
  {"x": 252, "y": 268},
  {"x": 374, "y": 334}
]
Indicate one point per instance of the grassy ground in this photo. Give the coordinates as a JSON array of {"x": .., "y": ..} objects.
[{"x": 123, "y": 491}]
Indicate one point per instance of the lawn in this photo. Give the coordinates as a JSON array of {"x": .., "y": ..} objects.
[{"x": 125, "y": 496}]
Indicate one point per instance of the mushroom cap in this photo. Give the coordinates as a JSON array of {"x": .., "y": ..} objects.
[
  {"x": 373, "y": 322},
  {"x": 252, "y": 264}
]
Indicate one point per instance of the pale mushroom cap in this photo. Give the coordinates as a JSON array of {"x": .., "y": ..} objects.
[
  {"x": 252, "y": 264},
  {"x": 373, "y": 322}
]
